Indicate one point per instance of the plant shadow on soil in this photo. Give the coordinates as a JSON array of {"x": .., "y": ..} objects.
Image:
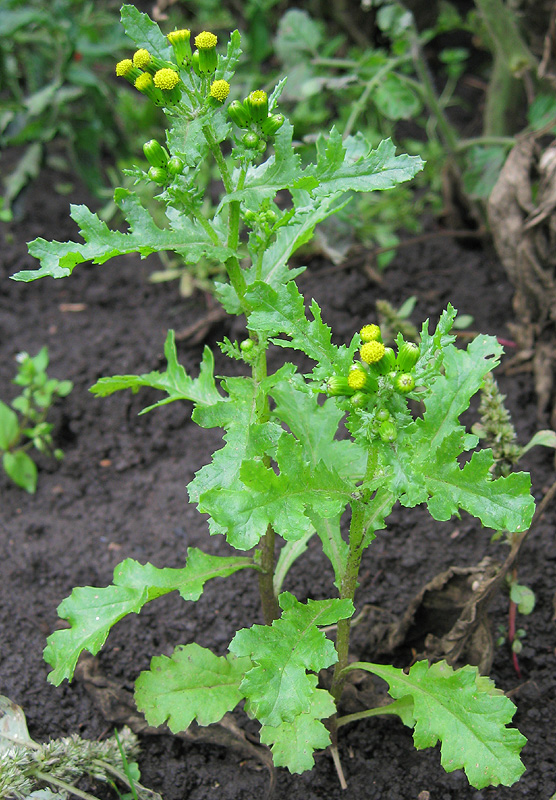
[{"x": 120, "y": 492}]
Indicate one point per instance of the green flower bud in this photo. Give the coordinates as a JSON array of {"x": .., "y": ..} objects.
[
  {"x": 370, "y": 333},
  {"x": 272, "y": 124},
  {"x": 407, "y": 356},
  {"x": 387, "y": 431},
  {"x": 338, "y": 387},
  {"x": 386, "y": 363},
  {"x": 239, "y": 114},
  {"x": 251, "y": 140},
  {"x": 250, "y": 217},
  {"x": 404, "y": 383},
  {"x": 257, "y": 105},
  {"x": 158, "y": 175},
  {"x": 382, "y": 414},
  {"x": 247, "y": 345},
  {"x": 206, "y": 43},
  {"x": 155, "y": 154},
  {"x": 180, "y": 41},
  {"x": 195, "y": 62},
  {"x": 359, "y": 400},
  {"x": 175, "y": 166}
]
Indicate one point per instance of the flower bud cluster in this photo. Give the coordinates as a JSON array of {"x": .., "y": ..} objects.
[
  {"x": 163, "y": 167},
  {"x": 252, "y": 115},
  {"x": 378, "y": 374},
  {"x": 162, "y": 81}
]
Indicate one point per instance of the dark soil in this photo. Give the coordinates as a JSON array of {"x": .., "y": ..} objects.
[{"x": 120, "y": 492}]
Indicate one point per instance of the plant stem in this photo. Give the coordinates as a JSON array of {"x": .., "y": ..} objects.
[
  {"x": 269, "y": 604},
  {"x": 219, "y": 158},
  {"x": 67, "y": 787},
  {"x": 391, "y": 708},
  {"x": 360, "y": 104}
]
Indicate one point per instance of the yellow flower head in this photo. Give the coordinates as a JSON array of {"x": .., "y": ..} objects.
[
  {"x": 143, "y": 82},
  {"x": 123, "y": 67},
  {"x": 166, "y": 79},
  {"x": 179, "y": 36},
  {"x": 141, "y": 58},
  {"x": 206, "y": 41},
  {"x": 370, "y": 333},
  {"x": 357, "y": 379},
  {"x": 371, "y": 352},
  {"x": 220, "y": 90}
]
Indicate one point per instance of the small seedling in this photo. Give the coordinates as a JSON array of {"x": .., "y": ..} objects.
[
  {"x": 283, "y": 471},
  {"x": 28, "y": 428}
]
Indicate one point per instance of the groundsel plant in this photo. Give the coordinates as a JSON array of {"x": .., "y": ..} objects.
[{"x": 282, "y": 472}]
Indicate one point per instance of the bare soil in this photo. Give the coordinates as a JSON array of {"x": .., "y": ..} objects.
[{"x": 120, "y": 492}]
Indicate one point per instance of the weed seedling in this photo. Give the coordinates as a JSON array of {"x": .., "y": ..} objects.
[
  {"x": 282, "y": 471},
  {"x": 18, "y": 434}
]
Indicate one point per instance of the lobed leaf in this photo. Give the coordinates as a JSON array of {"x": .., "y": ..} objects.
[
  {"x": 192, "y": 684},
  {"x": 175, "y": 381},
  {"x": 144, "y": 32},
  {"x": 184, "y": 236},
  {"x": 293, "y": 743},
  {"x": 466, "y": 712},
  {"x": 92, "y": 612},
  {"x": 278, "y": 688}
]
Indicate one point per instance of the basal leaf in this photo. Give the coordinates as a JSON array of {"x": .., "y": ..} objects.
[
  {"x": 175, "y": 381},
  {"x": 293, "y": 743},
  {"x": 193, "y": 684},
  {"x": 21, "y": 469},
  {"x": 58, "y": 259},
  {"x": 9, "y": 427},
  {"x": 466, "y": 712},
  {"x": 92, "y": 611},
  {"x": 278, "y": 687}
]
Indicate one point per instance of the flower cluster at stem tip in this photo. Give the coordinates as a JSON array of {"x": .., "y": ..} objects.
[{"x": 379, "y": 375}]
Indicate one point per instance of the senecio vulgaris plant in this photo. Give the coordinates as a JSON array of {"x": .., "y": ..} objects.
[{"x": 282, "y": 472}]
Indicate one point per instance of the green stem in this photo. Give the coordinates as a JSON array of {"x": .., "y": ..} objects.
[
  {"x": 391, "y": 708},
  {"x": 205, "y": 224},
  {"x": 506, "y": 37},
  {"x": 361, "y": 103},
  {"x": 485, "y": 141},
  {"x": 67, "y": 787},
  {"x": 219, "y": 158}
]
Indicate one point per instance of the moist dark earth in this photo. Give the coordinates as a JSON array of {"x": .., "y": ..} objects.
[{"x": 121, "y": 492}]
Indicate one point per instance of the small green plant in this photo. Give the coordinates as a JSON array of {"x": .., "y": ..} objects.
[
  {"x": 283, "y": 471},
  {"x": 28, "y": 428}
]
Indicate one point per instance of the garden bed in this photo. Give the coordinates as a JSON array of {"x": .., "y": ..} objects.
[{"x": 120, "y": 492}]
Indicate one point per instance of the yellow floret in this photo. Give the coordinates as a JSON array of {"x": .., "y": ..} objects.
[
  {"x": 143, "y": 82},
  {"x": 220, "y": 90},
  {"x": 205, "y": 41},
  {"x": 357, "y": 379},
  {"x": 166, "y": 79},
  {"x": 123, "y": 67},
  {"x": 371, "y": 352},
  {"x": 141, "y": 58},
  {"x": 179, "y": 36},
  {"x": 370, "y": 333}
]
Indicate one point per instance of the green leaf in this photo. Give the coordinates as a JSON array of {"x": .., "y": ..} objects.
[
  {"x": 466, "y": 712},
  {"x": 482, "y": 170},
  {"x": 524, "y": 597},
  {"x": 21, "y": 469},
  {"x": 351, "y": 165},
  {"x": 193, "y": 684},
  {"x": 545, "y": 438},
  {"x": 245, "y": 438},
  {"x": 299, "y": 37},
  {"x": 144, "y": 32},
  {"x": 278, "y": 500},
  {"x": 227, "y": 64},
  {"x": 184, "y": 236},
  {"x": 282, "y": 310},
  {"x": 424, "y": 461},
  {"x": 293, "y": 743},
  {"x": 92, "y": 611},
  {"x": 278, "y": 687},
  {"x": 175, "y": 381},
  {"x": 9, "y": 427},
  {"x": 395, "y": 98}
]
